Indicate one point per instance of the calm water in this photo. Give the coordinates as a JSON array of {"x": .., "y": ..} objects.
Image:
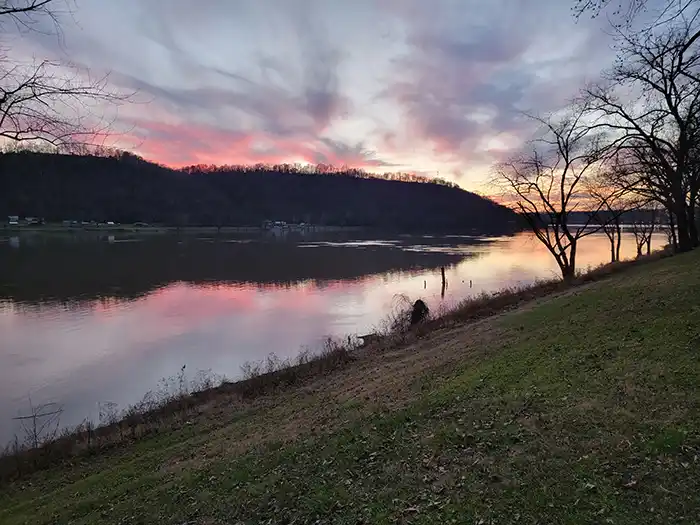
[{"x": 86, "y": 320}]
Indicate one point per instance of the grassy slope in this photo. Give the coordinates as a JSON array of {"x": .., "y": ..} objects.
[{"x": 582, "y": 408}]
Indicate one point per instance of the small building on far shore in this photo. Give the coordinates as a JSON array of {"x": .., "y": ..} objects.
[{"x": 13, "y": 220}]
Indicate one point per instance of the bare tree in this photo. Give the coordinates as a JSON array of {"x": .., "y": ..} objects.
[
  {"x": 548, "y": 185},
  {"x": 41, "y": 424},
  {"x": 623, "y": 11},
  {"x": 657, "y": 132},
  {"x": 48, "y": 101},
  {"x": 643, "y": 229},
  {"x": 612, "y": 228},
  {"x": 609, "y": 219},
  {"x": 612, "y": 202}
]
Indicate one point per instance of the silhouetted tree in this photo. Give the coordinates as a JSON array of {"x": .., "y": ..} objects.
[
  {"x": 46, "y": 100},
  {"x": 611, "y": 203},
  {"x": 656, "y": 133},
  {"x": 643, "y": 230},
  {"x": 548, "y": 185},
  {"x": 322, "y": 169},
  {"x": 624, "y": 13},
  {"x": 609, "y": 219}
]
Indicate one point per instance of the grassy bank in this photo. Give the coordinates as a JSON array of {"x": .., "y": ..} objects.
[{"x": 578, "y": 407}]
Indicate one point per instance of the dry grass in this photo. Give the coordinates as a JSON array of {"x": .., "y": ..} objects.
[{"x": 177, "y": 401}]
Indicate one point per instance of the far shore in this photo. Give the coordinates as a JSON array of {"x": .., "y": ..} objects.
[{"x": 55, "y": 228}]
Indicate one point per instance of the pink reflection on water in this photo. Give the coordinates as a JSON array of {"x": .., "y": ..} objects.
[{"x": 116, "y": 350}]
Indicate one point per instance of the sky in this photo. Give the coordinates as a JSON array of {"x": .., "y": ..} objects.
[{"x": 436, "y": 88}]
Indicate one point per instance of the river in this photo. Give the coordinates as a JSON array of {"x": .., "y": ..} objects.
[{"x": 85, "y": 321}]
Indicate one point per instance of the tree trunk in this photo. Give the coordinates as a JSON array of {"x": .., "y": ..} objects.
[
  {"x": 569, "y": 272},
  {"x": 611, "y": 237},
  {"x": 563, "y": 267},
  {"x": 619, "y": 241},
  {"x": 692, "y": 226},
  {"x": 685, "y": 243},
  {"x": 672, "y": 225},
  {"x": 612, "y": 250}
]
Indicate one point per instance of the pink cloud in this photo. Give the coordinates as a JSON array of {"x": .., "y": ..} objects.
[{"x": 183, "y": 144}]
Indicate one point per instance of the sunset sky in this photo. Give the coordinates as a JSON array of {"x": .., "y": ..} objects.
[{"x": 387, "y": 85}]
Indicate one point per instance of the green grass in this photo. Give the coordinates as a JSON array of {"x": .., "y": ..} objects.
[{"x": 581, "y": 408}]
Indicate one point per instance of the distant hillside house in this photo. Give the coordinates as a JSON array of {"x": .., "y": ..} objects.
[{"x": 13, "y": 220}]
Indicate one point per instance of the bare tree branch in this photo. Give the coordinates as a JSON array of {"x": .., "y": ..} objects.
[
  {"x": 26, "y": 15},
  {"x": 656, "y": 134},
  {"x": 548, "y": 185},
  {"x": 623, "y": 13},
  {"x": 48, "y": 101},
  {"x": 613, "y": 201},
  {"x": 643, "y": 229}
]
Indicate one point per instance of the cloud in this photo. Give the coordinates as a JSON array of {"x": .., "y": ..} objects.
[
  {"x": 183, "y": 144},
  {"x": 466, "y": 80},
  {"x": 379, "y": 84},
  {"x": 257, "y": 109}
]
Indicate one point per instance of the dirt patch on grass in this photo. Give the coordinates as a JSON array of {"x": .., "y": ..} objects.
[
  {"x": 376, "y": 381},
  {"x": 388, "y": 377}
]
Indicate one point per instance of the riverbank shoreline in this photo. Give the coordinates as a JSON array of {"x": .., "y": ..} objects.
[
  {"x": 169, "y": 406},
  {"x": 569, "y": 404}
]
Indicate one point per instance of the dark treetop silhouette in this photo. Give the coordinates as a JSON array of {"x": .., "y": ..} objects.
[{"x": 126, "y": 188}]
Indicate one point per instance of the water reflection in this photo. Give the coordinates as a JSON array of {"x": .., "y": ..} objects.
[
  {"x": 87, "y": 322},
  {"x": 129, "y": 268}
]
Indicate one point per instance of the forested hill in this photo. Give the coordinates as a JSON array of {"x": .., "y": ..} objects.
[{"x": 129, "y": 189}]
